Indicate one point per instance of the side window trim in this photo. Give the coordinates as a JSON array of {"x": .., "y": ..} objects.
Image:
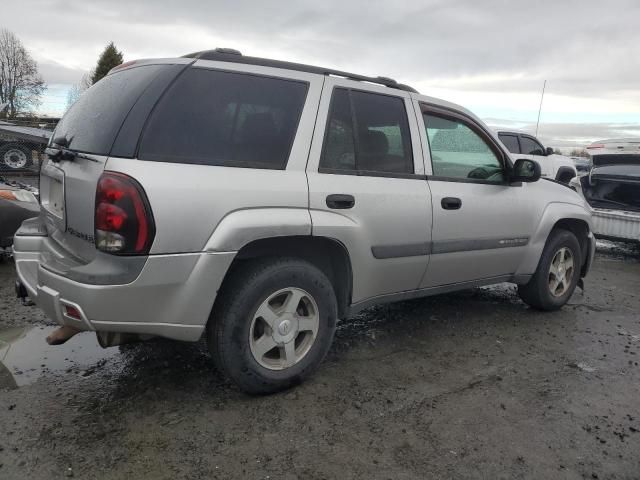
[
  {"x": 360, "y": 172},
  {"x": 503, "y": 158}
]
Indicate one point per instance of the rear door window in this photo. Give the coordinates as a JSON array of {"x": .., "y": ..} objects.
[
  {"x": 511, "y": 142},
  {"x": 367, "y": 132},
  {"x": 211, "y": 117},
  {"x": 92, "y": 123}
]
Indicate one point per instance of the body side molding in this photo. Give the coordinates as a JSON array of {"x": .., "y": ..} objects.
[{"x": 446, "y": 246}]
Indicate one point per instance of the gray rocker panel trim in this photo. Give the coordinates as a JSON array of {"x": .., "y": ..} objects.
[{"x": 427, "y": 292}]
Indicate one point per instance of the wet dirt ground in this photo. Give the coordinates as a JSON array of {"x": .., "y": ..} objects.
[{"x": 465, "y": 385}]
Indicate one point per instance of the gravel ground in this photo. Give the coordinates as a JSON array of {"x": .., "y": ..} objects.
[{"x": 465, "y": 385}]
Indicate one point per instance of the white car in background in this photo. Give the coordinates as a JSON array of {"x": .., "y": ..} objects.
[
  {"x": 523, "y": 145},
  {"x": 612, "y": 188}
]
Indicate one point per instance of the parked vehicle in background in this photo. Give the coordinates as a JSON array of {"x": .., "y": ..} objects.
[
  {"x": 582, "y": 164},
  {"x": 256, "y": 202},
  {"x": 21, "y": 146},
  {"x": 612, "y": 188},
  {"x": 18, "y": 202},
  {"x": 554, "y": 166}
]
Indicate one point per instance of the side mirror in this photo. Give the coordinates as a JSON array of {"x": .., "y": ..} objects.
[
  {"x": 549, "y": 151},
  {"x": 525, "y": 170}
]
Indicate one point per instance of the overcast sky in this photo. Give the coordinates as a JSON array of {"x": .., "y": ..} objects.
[{"x": 491, "y": 56}]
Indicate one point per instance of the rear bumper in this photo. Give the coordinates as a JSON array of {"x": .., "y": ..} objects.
[
  {"x": 172, "y": 296},
  {"x": 616, "y": 224}
]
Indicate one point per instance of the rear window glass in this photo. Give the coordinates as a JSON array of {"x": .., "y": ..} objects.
[
  {"x": 211, "y": 117},
  {"x": 92, "y": 123}
]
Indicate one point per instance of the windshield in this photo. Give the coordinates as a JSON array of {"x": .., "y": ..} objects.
[{"x": 92, "y": 123}]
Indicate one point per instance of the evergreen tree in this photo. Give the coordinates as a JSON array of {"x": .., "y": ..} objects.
[{"x": 110, "y": 58}]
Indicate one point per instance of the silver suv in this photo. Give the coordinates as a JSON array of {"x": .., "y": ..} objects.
[{"x": 256, "y": 202}]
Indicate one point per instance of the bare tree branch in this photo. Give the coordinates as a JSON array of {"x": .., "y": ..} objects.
[
  {"x": 78, "y": 89},
  {"x": 21, "y": 86}
]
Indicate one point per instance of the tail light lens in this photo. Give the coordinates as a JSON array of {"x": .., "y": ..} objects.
[
  {"x": 594, "y": 146},
  {"x": 123, "y": 219}
]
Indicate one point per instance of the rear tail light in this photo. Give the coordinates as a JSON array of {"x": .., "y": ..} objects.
[
  {"x": 123, "y": 219},
  {"x": 595, "y": 145}
]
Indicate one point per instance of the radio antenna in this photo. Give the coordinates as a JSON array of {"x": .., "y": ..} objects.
[{"x": 540, "y": 109}]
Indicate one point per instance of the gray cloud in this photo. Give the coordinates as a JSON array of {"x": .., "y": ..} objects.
[
  {"x": 56, "y": 73},
  {"x": 585, "y": 49},
  {"x": 582, "y": 47}
]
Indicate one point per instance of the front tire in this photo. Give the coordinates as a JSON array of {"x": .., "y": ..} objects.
[
  {"x": 557, "y": 274},
  {"x": 272, "y": 324}
]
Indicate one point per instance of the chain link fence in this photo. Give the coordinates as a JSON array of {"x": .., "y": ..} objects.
[{"x": 22, "y": 146}]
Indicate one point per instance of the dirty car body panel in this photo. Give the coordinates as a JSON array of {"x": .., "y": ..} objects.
[{"x": 205, "y": 210}]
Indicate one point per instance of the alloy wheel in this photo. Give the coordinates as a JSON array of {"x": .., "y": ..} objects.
[
  {"x": 284, "y": 328},
  {"x": 561, "y": 272}
]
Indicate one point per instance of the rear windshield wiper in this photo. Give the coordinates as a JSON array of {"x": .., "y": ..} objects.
[
  {"x": 58, "y": 151},
  {"x": 58, "y": 154}
]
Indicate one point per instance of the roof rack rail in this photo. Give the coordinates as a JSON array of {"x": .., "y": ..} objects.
[{"x": 234, "y": 56}]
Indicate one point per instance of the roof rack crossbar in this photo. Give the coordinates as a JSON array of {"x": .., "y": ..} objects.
[{"x": 233, "y": 56}]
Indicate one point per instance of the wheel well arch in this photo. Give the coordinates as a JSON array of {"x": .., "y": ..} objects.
[
  {"x": 580, "y": 229},
  {"x": 327, "y": 254}
]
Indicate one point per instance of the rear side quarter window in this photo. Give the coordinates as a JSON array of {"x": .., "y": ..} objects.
[{"x": 212, "y": 117}]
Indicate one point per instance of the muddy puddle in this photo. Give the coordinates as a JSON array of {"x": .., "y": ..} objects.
[
  {"x": 25, "y": 355},
  {"x": 618, "y": 250}
]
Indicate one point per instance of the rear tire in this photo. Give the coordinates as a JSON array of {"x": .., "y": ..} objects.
[
  {"x": 272, "y": 324},
  {"x": 557, "y": 274},
  {"x": 14, "y": 156}
]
